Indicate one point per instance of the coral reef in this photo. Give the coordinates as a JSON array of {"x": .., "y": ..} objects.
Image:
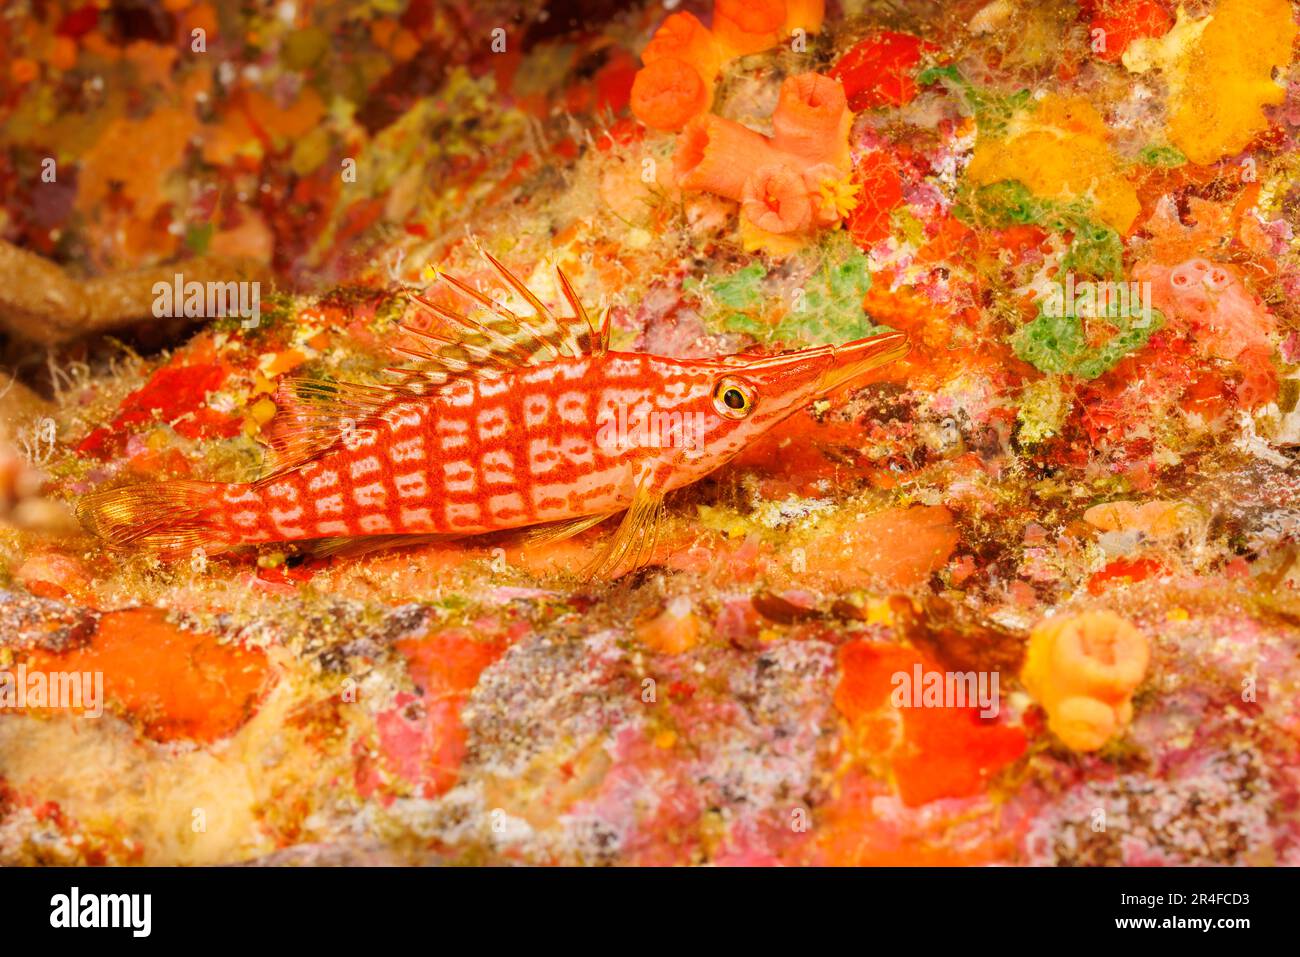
[{"x": 1043, "y": 570}]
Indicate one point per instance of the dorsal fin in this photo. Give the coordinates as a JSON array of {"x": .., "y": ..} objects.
[
  {"x": 492, "y": 338},
  {"x": 314, "y": 414}
]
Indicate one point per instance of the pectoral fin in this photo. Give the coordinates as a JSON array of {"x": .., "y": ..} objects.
[
  {"x": 314, "y": 415},
  {"x": 634, "y": 541},
  {"x": 551, "y": 532}
]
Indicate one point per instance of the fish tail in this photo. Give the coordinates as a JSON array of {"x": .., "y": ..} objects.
[{"x": 170, "y": 517}]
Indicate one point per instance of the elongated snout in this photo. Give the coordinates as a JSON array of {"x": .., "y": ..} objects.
[
  {"x": 801, "y": 375},
  {"x": 853, "y": 359}
]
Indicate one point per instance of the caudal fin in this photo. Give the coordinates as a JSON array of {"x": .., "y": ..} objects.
[{"x": 170, "y": 517}]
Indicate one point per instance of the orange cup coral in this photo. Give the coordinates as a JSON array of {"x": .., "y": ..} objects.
[
  {"x": 804, "y": 165},
  {"x": 785, "y": 183},
  {"x": 681, "y": 61},
  {"x": 748, "y": 26},
  {"x": 1083, "y": 670},
  {"x": 683, "y": 37},
  {"x": 667, "y": 93},
  {"x": 804, "y": 15},
  {"x": 776, "y": 199},
  {"x": 665, "y": 97},
  {"x": 812, "y": 119},
  {"x": 717, "y": 155}
]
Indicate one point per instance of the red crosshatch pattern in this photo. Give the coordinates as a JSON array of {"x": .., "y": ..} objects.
[
  {"x": 485, "y": 454},
  {"x": 525, "y": 422}
]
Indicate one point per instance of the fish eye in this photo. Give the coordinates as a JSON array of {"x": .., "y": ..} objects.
[{"x": 733, "y": 398}]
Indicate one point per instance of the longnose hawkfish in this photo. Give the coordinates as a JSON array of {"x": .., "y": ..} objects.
[{"x": 523, "y": 425}]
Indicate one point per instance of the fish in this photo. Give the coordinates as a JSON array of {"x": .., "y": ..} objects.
[{"x": 498, "y": 424}]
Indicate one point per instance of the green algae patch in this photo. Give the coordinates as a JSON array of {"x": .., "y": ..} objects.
[
  {"x": 1095, "y": 248},
  {"x": 276, "y": 312},
  {"x": 828, "y": 308},
  {"x": 1158, "y": 155},
  {"x": 824, "y": 308},
  {"x": 992, "y": 110},
  {"x": 737, "y": 299},
  {"x": 1062, "y": 344}
]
